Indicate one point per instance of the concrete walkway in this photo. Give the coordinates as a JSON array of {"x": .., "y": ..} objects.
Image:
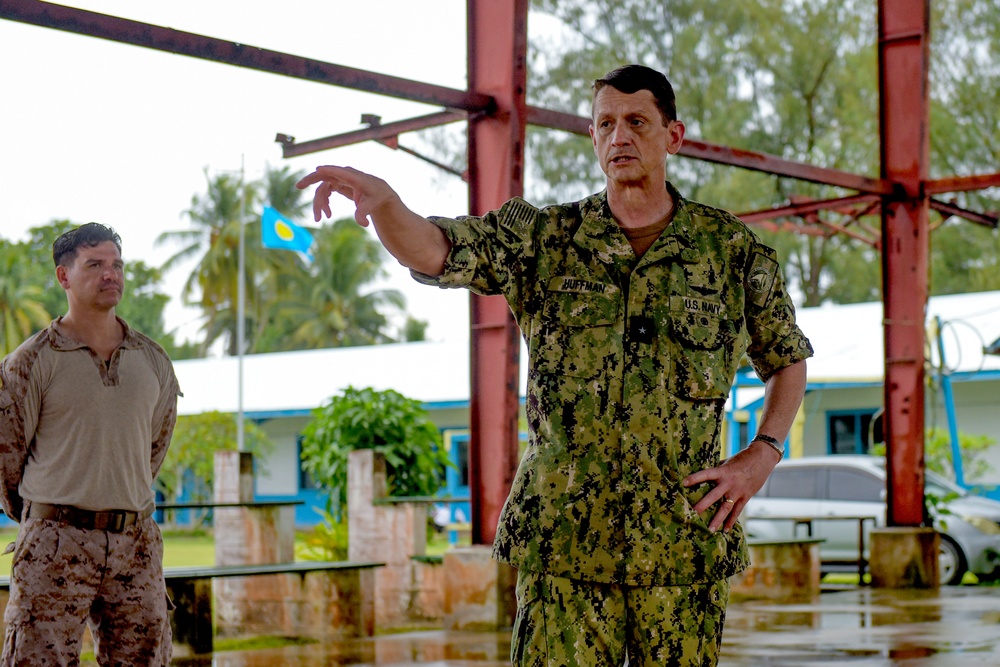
[{"x": 952, "y": 627}]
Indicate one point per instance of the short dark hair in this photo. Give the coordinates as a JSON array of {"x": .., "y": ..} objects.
[
  {"x": 631, "y": 79},
  {"x": 91, "y": 235}
]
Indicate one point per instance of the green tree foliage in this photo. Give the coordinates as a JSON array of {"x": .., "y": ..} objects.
[
  {"x": 22, "y": 310},
  {"x": 389, "y": 423},
  {"x": 938, "y": 454},
  {"x": 191, "y": 456},
  {"x": 327, "y": 304},
  {"x": 217, "y": 217},
  {"x": 794, "y": 79},
  {"x": 290, "y": 304},
  {"x": 414, "y": 330},
  {"x": 39, "y": 249}
]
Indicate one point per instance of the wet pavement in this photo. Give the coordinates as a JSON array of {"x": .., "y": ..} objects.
[{"x": 860, "y": 627}]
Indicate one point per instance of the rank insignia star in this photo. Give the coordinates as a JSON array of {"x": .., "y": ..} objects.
[{"x": 641, "y": 329}]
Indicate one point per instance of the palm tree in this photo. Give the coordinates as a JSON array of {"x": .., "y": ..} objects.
[
  {"x": 214, "y": 239},
  {"x": 22, "y": 311},
  {"x": 328, "y": 307},
  {"x": 216, "y": 217}
]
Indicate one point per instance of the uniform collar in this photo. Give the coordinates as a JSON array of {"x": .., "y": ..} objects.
[
  {"x": 599, "y": 232},
  {"x": 62, "y": 342},
  {"x": 676, "y": 243}
]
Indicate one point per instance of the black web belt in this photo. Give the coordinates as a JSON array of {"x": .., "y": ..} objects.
[{"x": 113, "y": 521}]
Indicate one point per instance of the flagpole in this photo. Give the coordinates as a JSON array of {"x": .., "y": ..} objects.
[{"x": 241, "y": 309}]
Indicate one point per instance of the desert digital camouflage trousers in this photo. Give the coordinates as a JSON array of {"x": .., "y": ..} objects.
[
  {"x": 63, "y": 577},
  {"x": 569, "y": 623}
]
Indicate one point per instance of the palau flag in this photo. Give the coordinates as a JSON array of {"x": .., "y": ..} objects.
[{"x": 277, "y": 231}]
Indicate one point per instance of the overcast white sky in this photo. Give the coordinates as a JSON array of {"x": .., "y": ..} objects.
[{"x": 94, "y": 130}]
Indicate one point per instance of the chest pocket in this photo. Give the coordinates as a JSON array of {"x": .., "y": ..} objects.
[
  {"x": 577, "y": 335},
  {"x": 704, "y": 346}
]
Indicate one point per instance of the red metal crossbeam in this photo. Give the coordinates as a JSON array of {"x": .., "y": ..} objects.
[
  {"x": 789, "y": 227},
  {"x": 373, "y": 133},
  {"x": 803, "y": 208},
  {"x": 962, "y": 183},
  {"x": 990, "y": 220},
  {"x": 155, "y": 37},
  {"x": 817, "y": 226}
]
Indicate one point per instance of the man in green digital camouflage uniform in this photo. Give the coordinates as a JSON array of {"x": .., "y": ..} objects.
[{"x": 637, "y": 307}]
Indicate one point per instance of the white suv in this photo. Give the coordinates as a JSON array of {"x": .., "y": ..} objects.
[{"x": 854, "y": 486}]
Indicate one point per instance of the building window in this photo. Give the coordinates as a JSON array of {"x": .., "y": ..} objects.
[
  {"x": 462, "y": 460},
  {"x": 306, "y": 480},
  {"x": 848, "y": 432}
]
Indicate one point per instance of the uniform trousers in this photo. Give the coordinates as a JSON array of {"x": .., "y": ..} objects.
[
  {"x": 64, "y": 577},
  {"x": 569, "y": 623}
]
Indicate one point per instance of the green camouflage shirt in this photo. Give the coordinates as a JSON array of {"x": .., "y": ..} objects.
[{"x": 631, "y": 362}]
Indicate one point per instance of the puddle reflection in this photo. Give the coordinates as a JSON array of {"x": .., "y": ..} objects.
[
  {"x": 861, "y": 628},
  {"x": 424, "y": 648}
]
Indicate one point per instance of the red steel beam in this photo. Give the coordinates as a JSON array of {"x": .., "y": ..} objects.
[
  {"x": 375, "y": 133},
  {"x": 806, "y": 207},
  {"x": 791, "y": 227},
  {"x": 497, "y": 52},
  {"x": 904, "y": 63},
  {"x": 989, "y": 220},
  {"x": 155, "y": 37},
  {"x": 962, "y": 183}
]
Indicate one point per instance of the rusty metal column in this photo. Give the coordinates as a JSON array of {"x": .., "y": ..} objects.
[
  {"x": 497, "y": 48},
  {"x": 904, "y": 60}
]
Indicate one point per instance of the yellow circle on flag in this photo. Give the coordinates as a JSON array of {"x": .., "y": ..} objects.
[{"x": 283, "y": 231}]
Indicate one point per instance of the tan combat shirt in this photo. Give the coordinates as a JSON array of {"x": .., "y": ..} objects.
[
  {"x": 76, "y": 431},
  {"x": 631, "y": 363}
]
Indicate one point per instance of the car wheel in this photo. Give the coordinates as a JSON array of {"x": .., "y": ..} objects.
[{"x": 951, "y": 562}]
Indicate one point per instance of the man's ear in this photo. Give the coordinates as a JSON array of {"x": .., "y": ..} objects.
[
  {"x": 676, "y": 138},
  {"x": 62, "y": 276}
]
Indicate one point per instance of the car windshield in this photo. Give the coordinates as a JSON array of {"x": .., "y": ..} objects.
[{"x": 935, "y": 483}]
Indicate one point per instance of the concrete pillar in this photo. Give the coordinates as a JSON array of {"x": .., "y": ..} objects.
[
  {"x": 248, "y": 536},
  {"x": 904, "y": 557},
  {"x": 478, "y": 591},
  {"x": 233, "y": 483},
  {"x": 384, "y": 533},
  {"x": 787, "y": 570}
]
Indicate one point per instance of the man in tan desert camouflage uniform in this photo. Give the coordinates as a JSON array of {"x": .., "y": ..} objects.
[
  {"x": 637, "y": 306},
  {"x": 87, "y": 408}
]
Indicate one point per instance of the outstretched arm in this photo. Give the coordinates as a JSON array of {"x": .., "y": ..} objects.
[
  {"x": 739, "y": 477},
  {"x": 413, "y": 240}
]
